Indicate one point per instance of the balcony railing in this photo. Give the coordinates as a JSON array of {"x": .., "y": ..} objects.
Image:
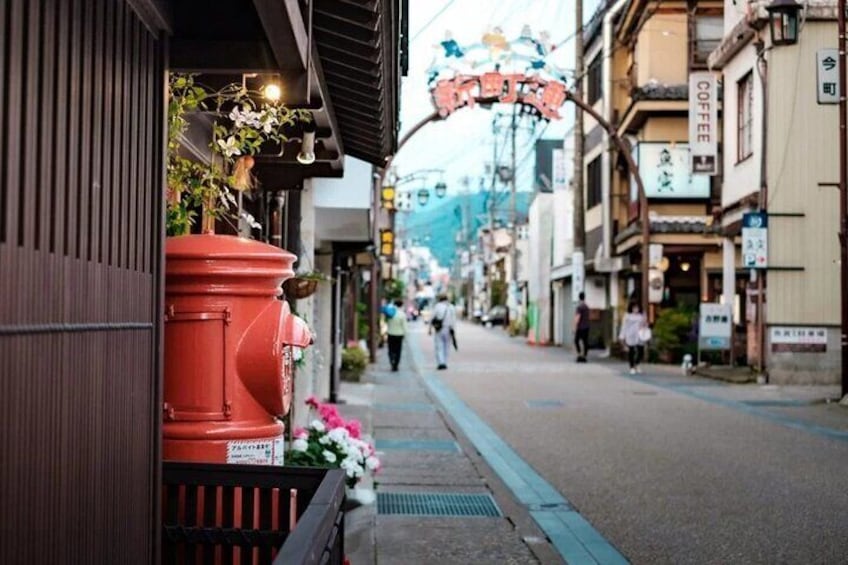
[{"x": 213, "y": 513}]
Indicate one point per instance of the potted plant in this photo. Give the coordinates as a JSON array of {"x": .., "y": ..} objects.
[
  {"x": 354, "y": 362},
  {"x": 331, "y": 442},
  {"x": 241, "y": 126},
  {"x": 303, "y": 285}
]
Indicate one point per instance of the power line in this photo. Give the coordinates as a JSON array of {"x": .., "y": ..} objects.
[{"x": 431, "y": 20}]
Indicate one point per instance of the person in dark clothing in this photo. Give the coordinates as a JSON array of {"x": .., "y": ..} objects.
[{"x": 581, "y": 329}]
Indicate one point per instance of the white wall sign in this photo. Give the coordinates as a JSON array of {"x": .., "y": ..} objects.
[
  {"x": 827, "y": 76},
  {"x": 664, "y": 168},
  {"x": 755, "y": 240},
  {"x": 256, "y": 452},
  {"x": 703, "y": 123},
  {"x": 715, "y": 326},
  {"x": 578, "y": 276},
  {"x": 798, "y": 339},
  {"x": 655, "y": 254}
]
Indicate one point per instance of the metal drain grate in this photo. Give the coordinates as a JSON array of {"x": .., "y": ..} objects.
[
  {"x": 437, "y": 504},
  {"x": 405, "y": 406},
  {"x": 544, "y": 403},
  {"x": 418, "y": 444}
]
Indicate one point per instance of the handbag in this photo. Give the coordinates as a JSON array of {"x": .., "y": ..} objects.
[{"x": 645, "y": 334}]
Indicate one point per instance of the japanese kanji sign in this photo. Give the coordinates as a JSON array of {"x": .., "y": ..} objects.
[
  {"x": 798, "y": 340},
  {"x": 755, "y": 240},
  {"x": 827, "y": 76},
  {"x": 715, "y": 327},
  {"x": 546, "y": 96}
]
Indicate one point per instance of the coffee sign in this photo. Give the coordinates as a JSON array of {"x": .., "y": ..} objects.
[{"x": 703, "y": 123}]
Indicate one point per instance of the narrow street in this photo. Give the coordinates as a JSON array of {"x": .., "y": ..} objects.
[{"x": 667, "y": 468}]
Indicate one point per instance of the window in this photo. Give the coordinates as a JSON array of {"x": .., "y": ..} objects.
[
  {"x": 593, "y": 183},
  {"x": 745, "y": 117},
  {"x": 595, "y": 86},
  {"x": 707, "y": 33}
]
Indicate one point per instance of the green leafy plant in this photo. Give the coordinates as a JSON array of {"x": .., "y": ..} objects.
[
  {"x": 394, "y": 289},
  {"x": 363, "y": 328},
  {"x": 670, "y": 332},
  {"x": 313, "y": 276},
  {"x": 240, "y": 128},
  {"x": 354, "y": 360}
]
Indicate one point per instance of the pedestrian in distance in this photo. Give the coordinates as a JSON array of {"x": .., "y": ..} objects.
[
  {"x": 634, "y": 334},
  {"x": 581, "y": 329},
  {"x": 396, "y": 330},
  {"x": 442, "y": 324}
]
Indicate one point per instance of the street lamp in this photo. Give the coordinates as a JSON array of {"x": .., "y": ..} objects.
[
  {"x": 441, "y": 189},
  {"x": 783, "y": 21},
  {"x": 423, "y": 196}
]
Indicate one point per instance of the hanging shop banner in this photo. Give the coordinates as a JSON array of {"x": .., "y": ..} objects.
[
  {"x": 578, "y": 277},
  {"x": 664, "y": 168},
  {"x": 715, "y": 327},
  {"x": 703, "y": 123},
  {"x": 656, "y": 286}
]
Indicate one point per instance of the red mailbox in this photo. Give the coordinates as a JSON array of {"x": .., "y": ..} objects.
[{"x": 228, "y": 350}]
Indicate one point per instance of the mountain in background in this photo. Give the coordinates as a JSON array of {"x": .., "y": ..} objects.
[{"x": 440, "y": 223}]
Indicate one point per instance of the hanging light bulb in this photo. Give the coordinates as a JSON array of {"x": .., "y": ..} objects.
[{"x": 272, "y": 92}]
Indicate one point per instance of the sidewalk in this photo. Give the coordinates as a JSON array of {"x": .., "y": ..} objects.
[{"x": 437, "y": 500}]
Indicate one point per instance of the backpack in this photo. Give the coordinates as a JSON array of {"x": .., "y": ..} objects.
[
  {"x": 437, "y": 324},
  {"x": 389, "y": 311}
]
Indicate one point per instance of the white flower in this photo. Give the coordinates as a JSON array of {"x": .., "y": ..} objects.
[
  {"x": 372, "y": 463},
  {"x": 266, "y": 121},
  {"x": 339, "y": 435},
  {"x": 300, "y": 445},
  {"x": 318, "y": 425},
  {"x": 229, "y": 147},
  {"x": 324, "y": 440},
  {"x": 329, "y": 456}
]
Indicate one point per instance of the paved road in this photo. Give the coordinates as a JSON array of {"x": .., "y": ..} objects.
[{"x": 668, "y": 470}]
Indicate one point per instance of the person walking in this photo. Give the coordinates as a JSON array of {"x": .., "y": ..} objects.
[
  {"x": 581, "y": 329},
  {"x": 634, "y": 330},
  {"x": 442, "y": 324},
  {"x": 396, "y": 330}
]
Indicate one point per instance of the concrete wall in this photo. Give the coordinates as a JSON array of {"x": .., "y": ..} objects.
[
  {"x": 539, "y": 280},
  {"x": 662, "y": 53}
]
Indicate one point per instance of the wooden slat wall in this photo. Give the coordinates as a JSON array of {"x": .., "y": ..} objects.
[{"x": 81, "y": 140}]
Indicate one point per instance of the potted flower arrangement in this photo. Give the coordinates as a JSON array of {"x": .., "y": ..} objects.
[
  {"x": 241, "y": 126},
  {"x": 304, "y": 285},
  {"x": 331, "y": 442}
]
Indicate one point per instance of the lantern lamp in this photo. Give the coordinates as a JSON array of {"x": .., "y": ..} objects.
[
  {"x": 441, "y": 189},
  {"x": 423, "y": 196},
  {"x": 783, "y": 21}
]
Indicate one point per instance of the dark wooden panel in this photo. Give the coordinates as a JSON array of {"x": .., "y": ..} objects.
[{"x": 81, "y": 133}]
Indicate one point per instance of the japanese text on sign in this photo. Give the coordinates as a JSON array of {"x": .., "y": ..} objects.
[
  {"x": 546, "y": 96},
  {"x": 827, "y": 76},
  {"x": 755, "y": 240}
]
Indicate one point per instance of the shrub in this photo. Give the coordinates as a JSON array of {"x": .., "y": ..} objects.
[
  {"x": 354, "y": 360},
  {"x": 670, "y": 332}
]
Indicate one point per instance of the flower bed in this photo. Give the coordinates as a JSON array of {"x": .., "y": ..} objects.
[{"x": 331, "y": 442}]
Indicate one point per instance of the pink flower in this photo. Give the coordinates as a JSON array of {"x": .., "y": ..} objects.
[
  {"x": 334, "y": 421},
  {"x": 300, "y": 433},
  {"x": 313, "y": 402},
  {"x": 328, "y": 411},
  {"x": 354, "y": 428}
]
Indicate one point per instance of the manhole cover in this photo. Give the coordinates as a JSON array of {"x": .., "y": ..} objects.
[{"x": 437, "y": 504}]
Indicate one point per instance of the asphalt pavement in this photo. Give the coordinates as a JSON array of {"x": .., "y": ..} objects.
[{"x": 588, "y": 464}]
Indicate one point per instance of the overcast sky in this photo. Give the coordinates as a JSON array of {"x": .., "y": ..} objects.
[{"x": 463, "y": 144}]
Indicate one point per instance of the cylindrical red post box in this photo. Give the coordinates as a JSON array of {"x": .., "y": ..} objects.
[{"x": 228, "y": 350}]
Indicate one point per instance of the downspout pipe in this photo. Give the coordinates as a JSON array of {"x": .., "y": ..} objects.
[{"x": 606, "y": 156}]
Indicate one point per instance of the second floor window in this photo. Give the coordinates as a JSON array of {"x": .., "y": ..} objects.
[
  {"x": 593, "y": 183},
  {"x": 594, "y": 81},
  {"x": 707, "y": 34},
  {"x": 745, "y": 117}
]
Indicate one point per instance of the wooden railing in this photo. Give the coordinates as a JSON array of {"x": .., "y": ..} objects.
[{"x": 252, "y": 514}]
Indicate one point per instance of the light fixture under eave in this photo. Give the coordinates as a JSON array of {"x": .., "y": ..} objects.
[
  {"x": 441, "y": 189},
  {"x": 272, "y": 92},
  {"x": 307, "y": 147},
  {"x": 685, "y": 266}
]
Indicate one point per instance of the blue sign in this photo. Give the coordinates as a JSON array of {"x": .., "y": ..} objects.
[{"x": 755, "y": 220}]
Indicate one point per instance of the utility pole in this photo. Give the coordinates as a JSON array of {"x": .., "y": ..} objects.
[
  {"x": 577, "y": 177},
  {"x": 512, "y": 206},
  {"x": 843, "y": 195}
]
